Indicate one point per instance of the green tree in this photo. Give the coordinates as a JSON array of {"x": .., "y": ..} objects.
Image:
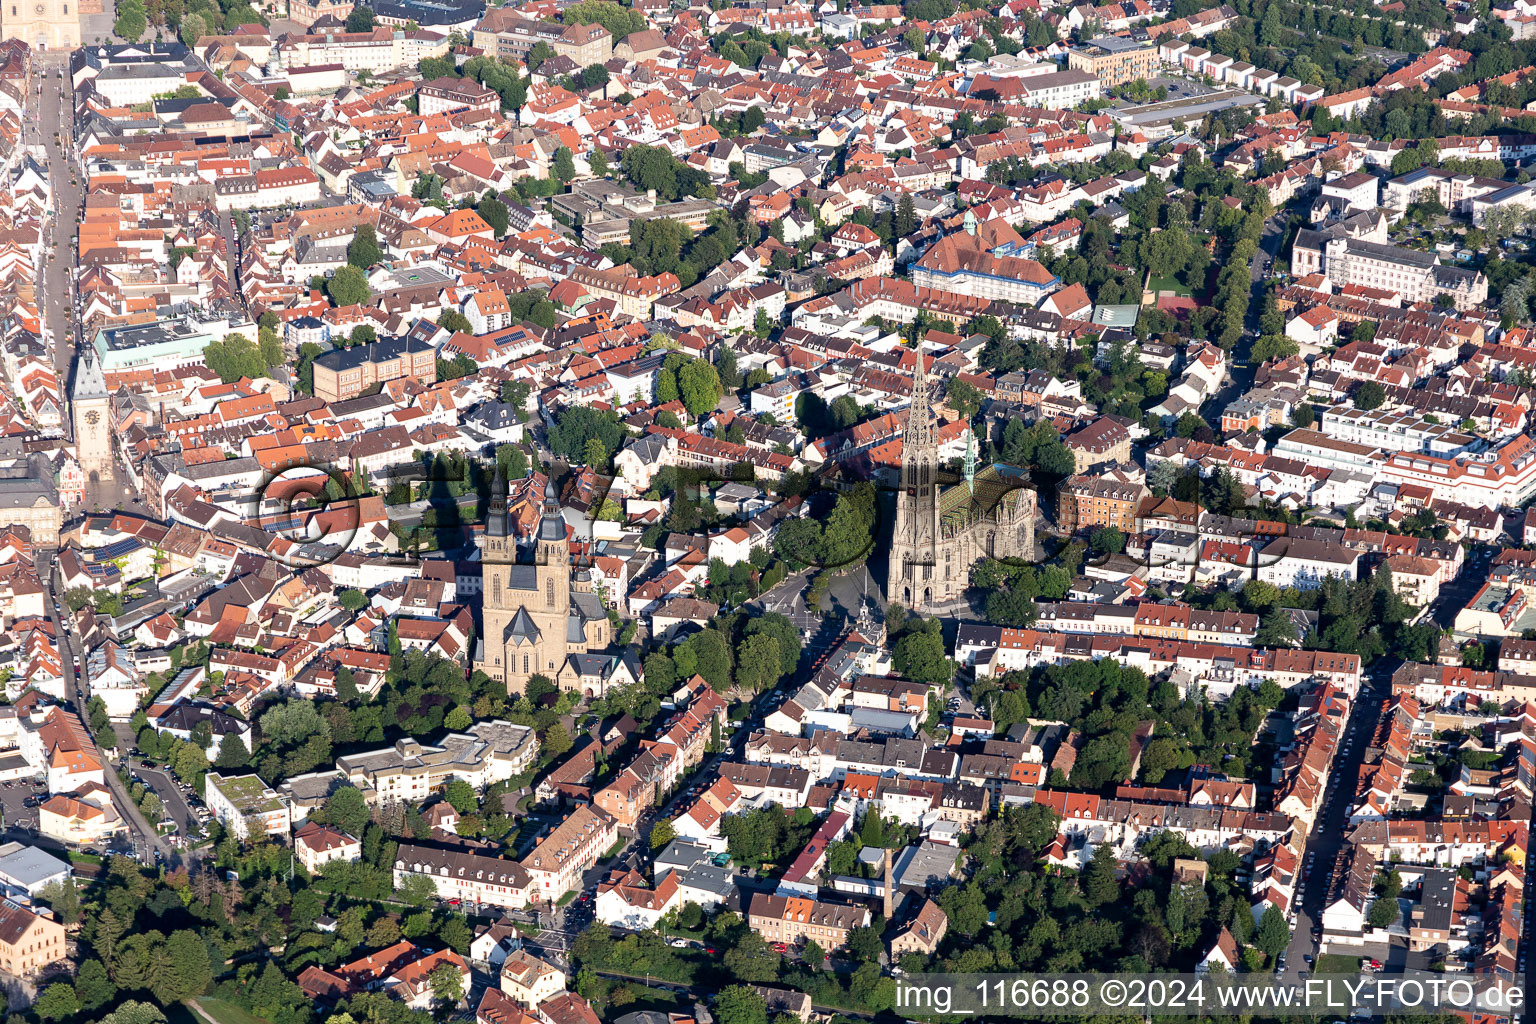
[
  {"x": 598, "y": 161},
  {"x": 348, "y": 287},
  {"x": 93, "y": 987},
  {"x": 447, "y": 984},
  {"x": 864, "y": 944},
  {"x": 617, "y": 19},
  {"x": 564, "y": 167},
  {"x": 494, "y": 212},
  {"x": 361, "y": 19},
  {"x": 595, "y": 454},
  {"x": 906, "y": 212},
  {"x": 231, "y": 754},
  {"x": 190, "y": 972},
  {"x": 1107, "y": 540},
  {"x": 1274, "y": 935},
  {"x": 130, "y": 24},
  {"x": 363, "y": 251},
  {"x": 462, "y": 796},
  {"x": 738, "y": 1004},
  {"x": 962, "y": 396},
  {"x": 698, "y": 383},
  {"x": 712, "y": 654},
  {"x": 453, "y": 320},
  {"x": 757, "y": 663},
  {"x": 57, "y": 1001},
  {"x": 751, "y": 960},
  {"x": 193, "y": 27},
  {"x": 235, "y": 357},
  {"x": 556, "y": 740},
  {"x": 919, "y": 656},
  {"x": 1098, "y": 877},
  {"x": 1370, "y": 395},
  {"x": 662, "y": 833},
  {"x": 1383, "y": 912},
  {"x": 347, "y": 809}
]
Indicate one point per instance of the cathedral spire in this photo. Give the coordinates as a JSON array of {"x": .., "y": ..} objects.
[
  {"x": 496, "y": 511},
  {"x": 920, "y": 416},
  {"x": 970, "y": 455}
]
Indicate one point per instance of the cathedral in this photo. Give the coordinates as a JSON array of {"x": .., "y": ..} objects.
[
  {"x": 42, "y": 24},
  {"x": 535, "y": 616},
  {"x": 943, "y": 529}
]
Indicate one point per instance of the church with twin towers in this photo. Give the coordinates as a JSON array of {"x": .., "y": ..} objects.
[{"x": 946, "y": 522}]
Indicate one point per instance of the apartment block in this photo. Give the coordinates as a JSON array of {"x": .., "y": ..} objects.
[
  {"x": 465, "y": 875},
  {"x": 28, "y": 942},
  {"x": 240, "y": 801},
  {"x": 1115, "y": 60},
  {"x": 556, "y": 864},
  {"x": 795, "y": 919},
  {"x": 348, "y": 372},
  {"x": 503, "y": 32},
  {"x": 411, "y": 771},
  {"x": 1088, "y": 502}
]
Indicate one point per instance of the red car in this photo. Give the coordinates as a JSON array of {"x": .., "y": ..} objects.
[{"x": 779, "y": 947}]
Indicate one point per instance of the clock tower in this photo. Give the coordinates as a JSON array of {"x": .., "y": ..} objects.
[{"x": 93, "y": 430}]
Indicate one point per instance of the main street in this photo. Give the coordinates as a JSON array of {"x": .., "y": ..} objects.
[
  {"x": 51, "y": 126},
  {"x": 1327, "y": 838},
  {"x": 53, "y": 129},
  {"x": 145, "y": 840}
]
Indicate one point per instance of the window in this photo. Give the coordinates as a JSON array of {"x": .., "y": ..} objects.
[{"x": 549, "y": 592}]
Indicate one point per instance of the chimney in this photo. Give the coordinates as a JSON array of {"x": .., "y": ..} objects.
[{"x": 889, "y": 886}]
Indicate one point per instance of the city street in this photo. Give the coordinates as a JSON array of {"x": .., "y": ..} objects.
[
  {"x": 142, "y": 836},
  {"x": 1327, "y": 838},
  {"x": 54, "y": 124},
  {"x": 170, "y": 793}
]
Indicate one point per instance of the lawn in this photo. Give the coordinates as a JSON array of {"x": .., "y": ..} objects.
[
  {"x": 222, "y": 1011},
  {"x": 1336, "y": 963},
  {"x": 1168, "y": 284}
]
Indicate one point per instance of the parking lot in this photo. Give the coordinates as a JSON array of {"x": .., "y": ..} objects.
[
  {"x": 1180, "y": 88},
  {"x": 13, "y": 800},
  {"x": 176, "y": 800}
]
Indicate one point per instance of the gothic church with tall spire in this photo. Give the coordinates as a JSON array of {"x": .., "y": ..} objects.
[
  {"x": 535, "y": 616},
  {"x": 942, "y": 529}
]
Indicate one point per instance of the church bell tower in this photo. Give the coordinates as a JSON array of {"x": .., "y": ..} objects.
[{"x": 914, "y": 544}]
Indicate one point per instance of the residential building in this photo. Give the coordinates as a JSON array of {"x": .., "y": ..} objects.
[
  {"x": 556, "y": 864},
  {"x": 28, "y": 941},
  {"x": 243, "y": 802},
  {"x": 410, "y": 771},
  {"x": 1089, "y": 502},
  {"x": 795, "y": 920}
]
